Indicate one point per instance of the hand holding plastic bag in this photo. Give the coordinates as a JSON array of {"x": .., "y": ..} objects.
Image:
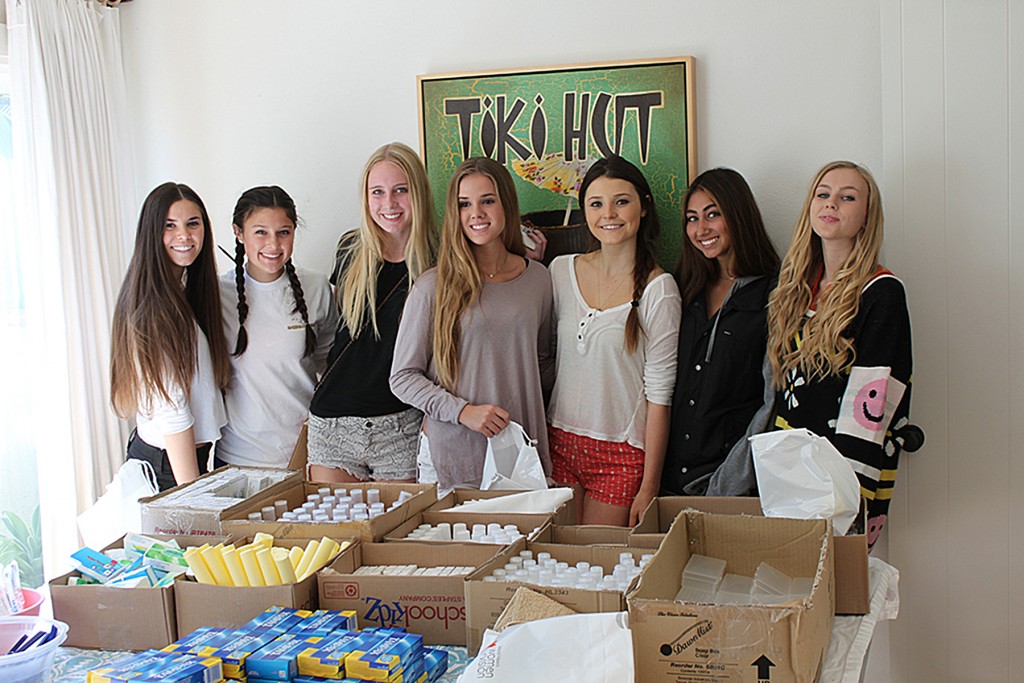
[
  {"x": 512, "y": 462},
  {"x": 578, "y": 648},
  {"x": 802, "y": 475}
]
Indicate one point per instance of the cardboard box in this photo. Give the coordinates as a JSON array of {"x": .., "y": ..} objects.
[
  {"x": 201, "y": 604},
  {"x": 107, "y": 618},
  {"x": 236, "y": 520},
  {"x": 486, "y": 600},
  {"x": 565, "y": 514},
  {"x": 529, "y": 525},
  {"x": 432, "y": 606},
  {"x": 586, "y": 534},
  {"x": 168, "y": 513},
  {"x": 687, "y": 642},
  {"x": 851, "y": 551}
]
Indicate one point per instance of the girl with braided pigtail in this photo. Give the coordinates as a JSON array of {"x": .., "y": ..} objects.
[
  {"x": 617, "y": 324},
  {"x": 278, "y": 320}
]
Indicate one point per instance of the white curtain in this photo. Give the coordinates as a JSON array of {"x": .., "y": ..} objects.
[{"x": 74, "y": 202}]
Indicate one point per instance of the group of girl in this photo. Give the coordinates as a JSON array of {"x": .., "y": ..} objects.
[{"x": 632, "y": 381}]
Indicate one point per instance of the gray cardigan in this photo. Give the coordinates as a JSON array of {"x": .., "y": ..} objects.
[{"x": 504, "y": 360}]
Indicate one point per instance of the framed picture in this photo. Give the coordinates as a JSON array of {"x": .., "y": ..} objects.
[{"x": 548, "y": 124}]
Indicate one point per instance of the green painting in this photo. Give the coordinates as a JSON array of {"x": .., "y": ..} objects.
[{"x": 548, "y": 125}]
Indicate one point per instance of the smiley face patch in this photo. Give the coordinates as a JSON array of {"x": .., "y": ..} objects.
[{"x": 869, "y": 402}]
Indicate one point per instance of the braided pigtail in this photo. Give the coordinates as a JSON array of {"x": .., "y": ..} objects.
[
  {"x": 242, "y": 341},
  {"x": 641, "y": 271},
  {"x": 300, "y": 307}
]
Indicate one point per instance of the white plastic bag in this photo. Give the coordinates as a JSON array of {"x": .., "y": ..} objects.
[
  {"x": 512, "y": 462},
  {"x": 118, "y": 511},
  {"x": 577, "y": 648},
  {"x": 528, "y": 502},
  {"x": 802, "y": 475}
]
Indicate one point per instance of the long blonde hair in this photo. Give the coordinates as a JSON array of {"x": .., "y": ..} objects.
[
  {"x": 823, "y": 350},
  {"x": 458, "y": 277},
  {"x": 359, "y": 256}
]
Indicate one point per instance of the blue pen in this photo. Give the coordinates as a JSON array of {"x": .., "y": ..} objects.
[
  {"x": 51, "y": 635},
  {"x": 31, "y": 641},
  {"x": 18, "y": 644}
]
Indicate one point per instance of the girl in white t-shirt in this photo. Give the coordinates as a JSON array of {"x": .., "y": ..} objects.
[
  {"x": 280, "y": 321},
  {"x": 617, "y": 316},
  {"x": 168, "y": 358}
]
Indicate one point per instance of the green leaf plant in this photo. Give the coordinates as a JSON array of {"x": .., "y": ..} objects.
[{"x": 22, "y": 543}]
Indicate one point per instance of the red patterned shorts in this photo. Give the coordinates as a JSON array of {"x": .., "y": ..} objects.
[{"x": 608, "y": 472}]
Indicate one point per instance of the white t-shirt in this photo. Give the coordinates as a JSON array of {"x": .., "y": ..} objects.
[
  {"x": 203, "y": 410},
  {"x": 272, "y": 383},
  {"x": 601, "y": 391}
]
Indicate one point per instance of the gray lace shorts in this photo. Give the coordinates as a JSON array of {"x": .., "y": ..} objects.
[{"x": 377, "y": 448}]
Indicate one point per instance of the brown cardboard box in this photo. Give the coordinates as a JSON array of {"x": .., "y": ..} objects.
[
  {"x": 851, "y": 552},
  {"x": 486, "y": 600},
  {"x": 565, "y": 514},
  {"x": 107, "y": 618},
  {"x": 586, "y": 534},
  {"x": 529, "y": 525},
  {"x": 432, "y": 606},
  {"x": 158, "y": 517},
  {"x": 200, "y": 604},
  {"x": 688, "y": 642},
  {"x": 236, "y": 522}
]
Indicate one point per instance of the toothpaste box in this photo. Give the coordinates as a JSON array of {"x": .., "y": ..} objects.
[
  {"x": 237, "y": 646},
  {"x": 278, "y": 619},
  {"x": 327, "y": 656},
  {"x": 277, "y": 661},
  {"x": 386, "y": 659},
  {"x": 326, "y": 621},
  {"x": 203, "y": 641},
  {"x": 152, "y": 666},
  {"x": 435, "y": 663}
]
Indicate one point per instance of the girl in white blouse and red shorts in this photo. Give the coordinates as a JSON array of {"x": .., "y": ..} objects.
[{"x": 617, "y": 317}]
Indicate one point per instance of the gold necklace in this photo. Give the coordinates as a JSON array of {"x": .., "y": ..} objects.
[
  {"x": 613, "y": 285},
  {"x": 500, "y": 267}
]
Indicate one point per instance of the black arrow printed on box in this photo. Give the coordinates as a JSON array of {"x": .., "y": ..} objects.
[{"x": 763, "y": 672}]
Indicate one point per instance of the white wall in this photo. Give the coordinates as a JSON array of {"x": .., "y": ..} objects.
[
  {"x": 928, "y": 94},
  {"x": 234, "y": 93},
  {"x": 954, "y": 166}
]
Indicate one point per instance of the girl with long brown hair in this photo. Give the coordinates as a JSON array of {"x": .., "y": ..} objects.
[
  {"x": 727, "y": 268},
  {"x": 279, "y": 319},
  {"x": 472, "y": 350},
  {"x": 358, "y": 429},
  {"x": 839, "y": 333},
  {"x": 168, "y": 358}
]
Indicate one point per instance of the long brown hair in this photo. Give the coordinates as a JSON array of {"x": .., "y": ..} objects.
[
  {"x": 753, "y": 249},
  {"x": 824, "y": 350},
  {"x": 458, "y": 277},
  {"x": 153, "y": 339},
  {"x": 646, "y": 237},
  {"x": 359, "y": 256}
]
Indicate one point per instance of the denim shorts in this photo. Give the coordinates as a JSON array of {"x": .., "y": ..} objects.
[{"x": 378, "y": 448}]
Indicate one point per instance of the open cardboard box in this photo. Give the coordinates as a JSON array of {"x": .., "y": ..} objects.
[
  {"x": 851, "y": 551},
  {"x": 237, "y": 522},
  {"x": 565, "y": 514},
  {"x": 200, "y": 604},
  {"x": 108, "y": 618},
  {"x": 432, "y": 606},
  {"x": 680, "y": 641},
  {"x": 585, "y": 534},
  {"x": 485, "y": 600},
  {"x": 529, "y": 526},
  {"x": 160, "y": 517}
]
